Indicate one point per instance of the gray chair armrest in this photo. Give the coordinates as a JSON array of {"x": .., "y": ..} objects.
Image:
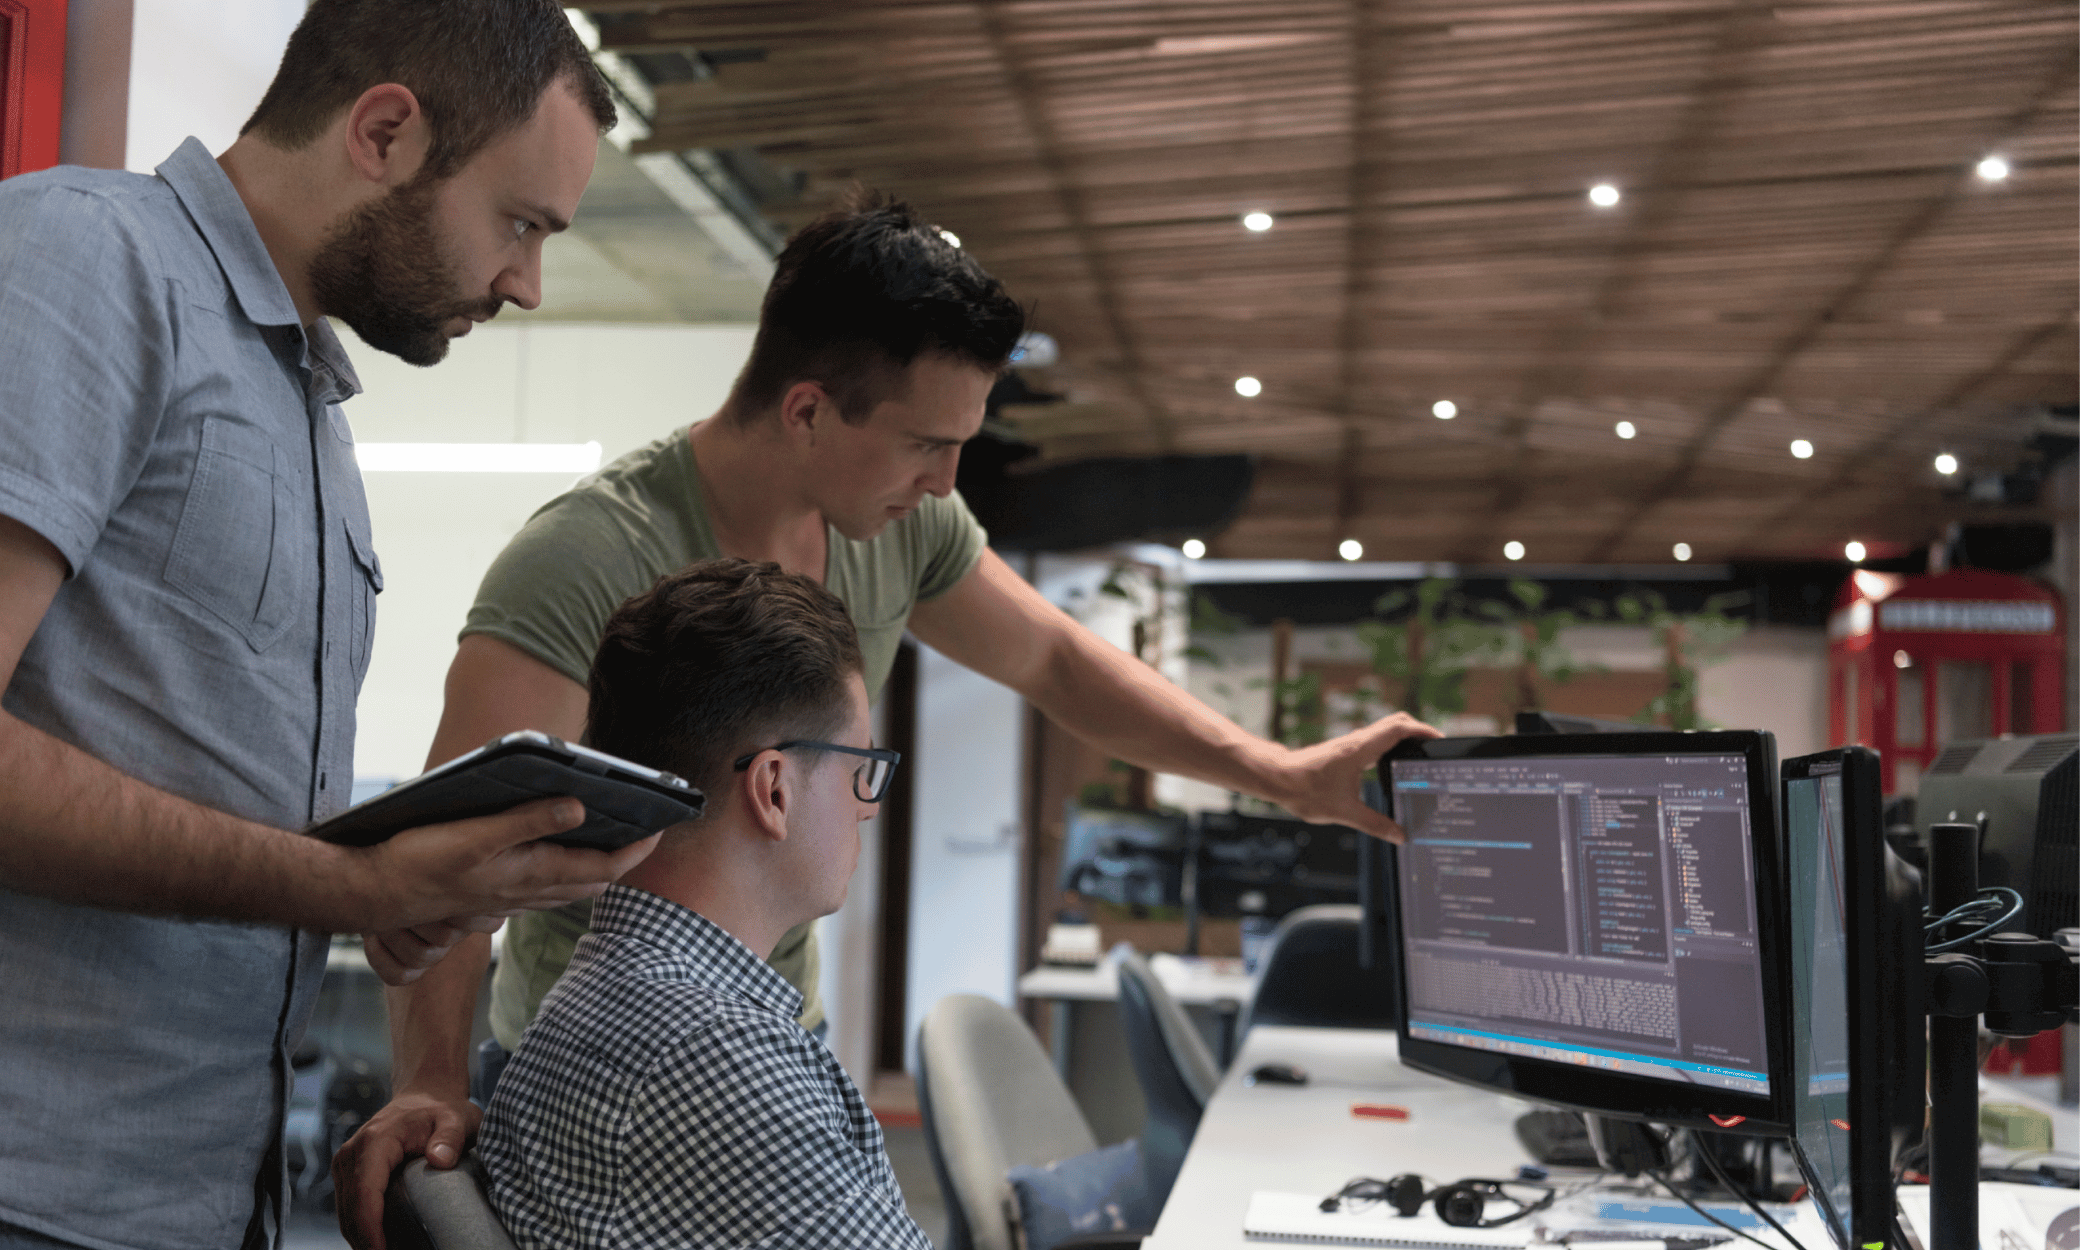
[{"x": 426, "y": 1209}]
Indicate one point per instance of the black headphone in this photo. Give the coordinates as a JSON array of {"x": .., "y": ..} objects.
[{"x": 1462, "y": 1204}]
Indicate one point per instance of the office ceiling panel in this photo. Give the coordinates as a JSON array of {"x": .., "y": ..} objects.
[{"x": 1802, "y": 245}]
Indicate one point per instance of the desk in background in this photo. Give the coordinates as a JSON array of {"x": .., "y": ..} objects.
[{"x": 1090, "y": 1051}]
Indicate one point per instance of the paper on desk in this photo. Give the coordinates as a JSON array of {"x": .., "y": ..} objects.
[
  {"x": 1298, "y": 1218},
  {"x": 2011, "y": 1217}
]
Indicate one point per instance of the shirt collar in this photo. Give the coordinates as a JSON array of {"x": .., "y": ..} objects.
[
  {"x": 205, "y": 190},
  {"x": 720, "y": 960}
]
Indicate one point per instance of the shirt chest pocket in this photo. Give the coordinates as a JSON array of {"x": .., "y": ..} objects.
[{"x": 245, "y": 547}]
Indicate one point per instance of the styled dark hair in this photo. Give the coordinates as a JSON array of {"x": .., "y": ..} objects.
[
  {"x": 478, "y": 68},
  {"x": 860, "y": 293},
  {"x": 722, "y": 657}
]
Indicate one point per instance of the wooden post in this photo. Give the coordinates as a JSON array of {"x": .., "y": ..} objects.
[{"x": 1281, "y": 661}]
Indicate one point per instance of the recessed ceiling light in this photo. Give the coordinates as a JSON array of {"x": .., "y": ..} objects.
[
  {"x": 1256, "y": 223},
  {"x": 1193, "y": 549},
  {"x": 1855, "y": 552},
  {"x": 1627, "y": 429},
  {"x": 1993, "y": 169},
  {"x": 1514, "y": 550},
  {"x": 1248, "y": 388},
  {"x": 1802, "y": 449},
  {"x": 1946, "y": 464},
  {"x": 1682, "y": 551},
  {"x": 1603, "y": 195},
  {"x": 1444, "y": 410},
  {"x": 952, "y": 239},
  {"x": 1350, "y": 549}
]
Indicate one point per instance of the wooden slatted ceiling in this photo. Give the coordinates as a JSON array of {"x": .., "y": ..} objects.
[{"x": 1802, "y": 250}]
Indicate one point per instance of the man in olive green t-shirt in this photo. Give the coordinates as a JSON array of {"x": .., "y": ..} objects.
[
  {"x": 549, "y": 595},
  {"x": 834, "y": 456}
]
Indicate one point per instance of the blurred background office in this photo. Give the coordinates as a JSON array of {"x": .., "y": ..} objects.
[{"x": 1700, "y": 364}]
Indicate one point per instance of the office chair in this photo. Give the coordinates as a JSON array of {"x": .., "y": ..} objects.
[
  {"x": 990, "y": 1101},
  {"x": 1309, "y": 974},
  {"x": 427, "y": 1209},
  {"x": 1176, "y": 1071}
]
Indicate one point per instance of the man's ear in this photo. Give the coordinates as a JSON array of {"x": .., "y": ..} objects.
[
  {"x": 766, "y": 789},
  {"x": 806, "y": 408},
  {"x": 387, "y": 136}
]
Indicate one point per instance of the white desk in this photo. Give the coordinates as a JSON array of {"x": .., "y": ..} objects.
[
  {"x": 1194, "y": 982},
  {"x": 1303, "y": 1139}
]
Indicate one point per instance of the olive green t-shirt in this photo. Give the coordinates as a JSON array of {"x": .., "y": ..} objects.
[{"x": 611, "y": 537}]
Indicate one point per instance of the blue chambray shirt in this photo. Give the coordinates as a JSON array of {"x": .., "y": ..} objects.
[{"x": 171, "y": 429}]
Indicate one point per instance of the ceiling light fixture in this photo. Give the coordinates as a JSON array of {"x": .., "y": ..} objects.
[
  {"x": 477, "y": 457},
  {"x": 1350, "y": 549},
  {"x": 1514, "y": 550},
  {"x": 1946, "y": 464},
  {"x": 1248, "y": 388},
  {"x": 1802, "y": 449},
  {"x": 1444, "y": 410},
  {"x": 1604, "y": 195},
  {"x": 1855, "y": 551},
  {"x": 1627, "y": 429},
  {"x": 1256, "y": 223},
  {"x": 1682, "y": 551},
  {"x": 1194, "y": 549},
  {"x": 1993, "y": 169}
]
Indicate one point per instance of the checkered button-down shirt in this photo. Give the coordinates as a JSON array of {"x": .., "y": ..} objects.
[{"x": 665, "y": 1096}]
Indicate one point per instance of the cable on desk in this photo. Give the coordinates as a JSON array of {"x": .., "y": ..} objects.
[
  {"x": 1744, "y": 1196},
  {"x": 1685, "y": 1200}
]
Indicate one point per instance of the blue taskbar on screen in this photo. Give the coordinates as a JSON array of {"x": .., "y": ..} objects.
[{"x": 1737, "y": 1079}]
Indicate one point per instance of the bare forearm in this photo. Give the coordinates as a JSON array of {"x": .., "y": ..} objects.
[
  {"x": 1127, "y": 709},
  {"x": 430, "y": 1021},
  {"x": 78, "y": 830}
]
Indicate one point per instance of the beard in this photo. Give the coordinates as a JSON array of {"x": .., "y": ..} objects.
[{"x": 381, "y": 271}]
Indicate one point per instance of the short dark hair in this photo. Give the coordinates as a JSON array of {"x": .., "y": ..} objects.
[
  {"x": 478, "y": 68},
  {"x": 860, "y": 293},
  {"x": 722, "y": 657}
]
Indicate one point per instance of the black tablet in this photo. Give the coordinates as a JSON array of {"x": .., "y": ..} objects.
[{"x": 624, "y": 802}]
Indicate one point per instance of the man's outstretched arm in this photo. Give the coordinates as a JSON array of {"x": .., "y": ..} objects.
[
  {"x": 76, "y": 829},
  {"x": 493, "y": 688},
  {"x": 996, "y": 624}
]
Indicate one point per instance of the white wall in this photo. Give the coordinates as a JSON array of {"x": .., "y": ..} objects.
[
  {"x": 437, "y": 532},
  {"x": 199, "y": 67},
  {"x": 964, "y": 840}
]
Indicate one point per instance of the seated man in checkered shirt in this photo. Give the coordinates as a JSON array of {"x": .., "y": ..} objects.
[{"x": 665, "y": 1095}]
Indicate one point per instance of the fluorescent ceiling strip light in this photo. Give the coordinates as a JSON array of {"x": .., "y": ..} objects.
[{"x": 478, "y": 457}]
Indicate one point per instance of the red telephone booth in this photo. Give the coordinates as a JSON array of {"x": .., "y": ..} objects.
[
  {"x": 1918, "y": 662},
  {"x": 32, "y": 83}
]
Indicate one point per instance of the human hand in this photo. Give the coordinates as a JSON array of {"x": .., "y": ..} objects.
[
  {"x": 482, "y": 870},
  {"x": 402, "y": 956},
  {"x": 413, "y": 1123},
  {"x": 1327, "y": 778}
]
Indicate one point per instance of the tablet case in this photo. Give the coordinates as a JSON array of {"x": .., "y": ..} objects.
[{"x": 621, "y": 805}]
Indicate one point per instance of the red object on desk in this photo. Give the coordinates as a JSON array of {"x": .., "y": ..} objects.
[{"x": 1378, "y": 1111}]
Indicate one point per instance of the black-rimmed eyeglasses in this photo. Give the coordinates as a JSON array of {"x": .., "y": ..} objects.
[{"x": 869, "y": 781}]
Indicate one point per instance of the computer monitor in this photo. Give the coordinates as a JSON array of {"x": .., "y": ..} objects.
[
  {"x": 1128, "y": 858},
  {"x": 1597, "y": 921},
  {"x": 2023, "y": 793},
  {"x": 1856, "y": 1015},
  {"x": 1268, "y": 866}
]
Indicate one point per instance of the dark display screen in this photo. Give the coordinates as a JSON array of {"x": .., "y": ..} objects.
[
  {"x": 1820, "y": 990},
  {"x": 1598, "y": 911}
]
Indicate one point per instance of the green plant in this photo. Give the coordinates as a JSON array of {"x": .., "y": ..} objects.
[
  {"x": 1689, "y": 642},
  {"x": 1536, "y": 632},
  {"x": 1429, "y": 652}
]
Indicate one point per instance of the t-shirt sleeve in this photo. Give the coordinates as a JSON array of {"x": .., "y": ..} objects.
[
  {"x": 86, "y": 356},
  {"x": 551, "y": 590},
  {"x": 952, "y": 541}
]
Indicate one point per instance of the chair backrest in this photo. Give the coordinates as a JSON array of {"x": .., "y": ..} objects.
[
  {"x": 990, "y": 1100},
  {"x": 427, "y": 1209},
  {"x": 1176, "y": 1070},
  {"x": 1309, "y": 974}
]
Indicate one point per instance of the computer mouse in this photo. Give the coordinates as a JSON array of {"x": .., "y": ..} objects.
[{"x": 1277, "y": 1074}]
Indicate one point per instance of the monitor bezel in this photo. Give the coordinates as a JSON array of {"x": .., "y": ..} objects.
[
  {"x": 1617, "y": 1095},
  {"x": 1881, "y": 899}
]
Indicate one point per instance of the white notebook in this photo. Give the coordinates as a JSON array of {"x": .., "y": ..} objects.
[{"x": 1299, "y": 1219}]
